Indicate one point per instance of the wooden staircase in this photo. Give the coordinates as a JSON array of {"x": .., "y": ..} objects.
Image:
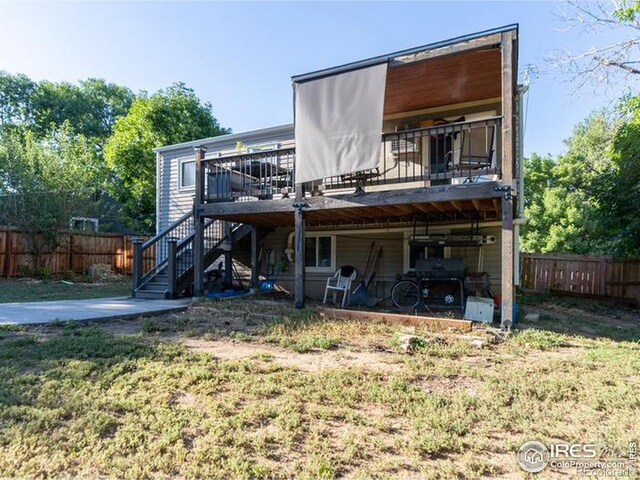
[{"x": 163, "y": 265}]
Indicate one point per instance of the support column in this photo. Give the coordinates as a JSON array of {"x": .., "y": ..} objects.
[
  {"x": 136, "y": 274},
  {"x": 299, "y": 247},
  {"x": 509, "y": 79},
  {"x": 507, "y": 261},
  {"x": 172, "y": 264},
  {"x": 228, "y": 258},
  {"x": 198, "y": 223},
  {"x": 255, "y": 264},
  {"x": 508, "y": 48}
]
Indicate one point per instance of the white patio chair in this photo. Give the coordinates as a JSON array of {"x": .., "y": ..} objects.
[{"x": 340, "y": 282}]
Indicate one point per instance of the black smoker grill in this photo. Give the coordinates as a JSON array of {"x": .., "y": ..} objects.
[{"x": 441, "y": 283}]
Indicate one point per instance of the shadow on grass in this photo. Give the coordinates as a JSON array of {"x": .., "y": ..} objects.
[
  {"x": 582, "y": 318},
  {"x": 76, "y": 353}
]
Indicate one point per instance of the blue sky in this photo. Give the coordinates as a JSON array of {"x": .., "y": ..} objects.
[{"x": 240, "y": 56}]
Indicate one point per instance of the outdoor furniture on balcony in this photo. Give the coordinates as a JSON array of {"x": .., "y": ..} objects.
[
  {"x": 255, "y": 175},
  {"x": 360, "y": 178}
]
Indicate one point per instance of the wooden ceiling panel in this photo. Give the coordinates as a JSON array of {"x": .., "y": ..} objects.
[
  {"x": 462, "y": 210},
  {"x": 460, "y": 78}
]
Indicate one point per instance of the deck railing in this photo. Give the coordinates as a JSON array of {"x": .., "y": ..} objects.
[
  {"x": 250, "y": 176},
  {"x": 464, "y": 151}
]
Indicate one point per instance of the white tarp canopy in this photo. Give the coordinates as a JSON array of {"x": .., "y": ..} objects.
[{"x": 338, "y": 123}]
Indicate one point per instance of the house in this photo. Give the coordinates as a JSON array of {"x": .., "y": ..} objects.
[{"x": 414, "y": 152}]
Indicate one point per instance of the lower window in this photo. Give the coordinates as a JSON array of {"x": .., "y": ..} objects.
[{"x": 319, "y": 253}]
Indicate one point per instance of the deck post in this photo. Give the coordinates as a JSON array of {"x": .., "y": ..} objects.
[
  {"x": 509, "y": 79},
  {"x": 136, "y": 274},
  {"x": 507, "y": 261},
  {"x": 508, "y": 48},
  {"x": 198, "y": 225},
  {"x": 299, "y": 246},
  {"x": 228, "y": 258},
  {"x": 172, "y": 261},
  {"x": 255, "y": 264}
]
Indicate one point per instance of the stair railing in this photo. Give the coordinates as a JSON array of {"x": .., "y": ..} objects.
[
  {"x": 150, "y": 257},
  {"x": 172, "y": 251},
  {"x": 214, "y": 235}
]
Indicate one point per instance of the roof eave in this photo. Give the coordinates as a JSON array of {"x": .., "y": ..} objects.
[
  {"x": 225, "y": 138},
  {"x": 386, "y": 58}
]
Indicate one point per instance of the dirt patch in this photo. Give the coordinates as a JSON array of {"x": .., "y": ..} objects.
[
  {"x": 309, "y": 362},
  {"x": 188, "y": 400},
  {"x": 450, "y": 385},
  {"x": 620, "y": 318}
]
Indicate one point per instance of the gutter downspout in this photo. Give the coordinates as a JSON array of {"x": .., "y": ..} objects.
[
  {"x": 520, "y": 219},
  {"x": 289, "y": 251}
]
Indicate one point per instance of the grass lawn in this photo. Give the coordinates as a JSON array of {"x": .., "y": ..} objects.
[
  {"x": 29, "y": 290},
  {"x": 253, "y": 389}
]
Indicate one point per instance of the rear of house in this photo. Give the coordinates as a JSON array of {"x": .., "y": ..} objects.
[{"x": 441, "y": 182}]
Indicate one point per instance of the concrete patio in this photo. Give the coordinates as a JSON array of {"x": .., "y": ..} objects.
[{"x": 91, "y": 309}]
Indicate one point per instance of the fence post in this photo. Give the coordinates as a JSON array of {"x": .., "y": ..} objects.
[
  {"x": 123, "y": 261},
  {"x": 8, "y": 253},
  {"x": 71, "y": 253},
  {"x": 137, "y": 262},
  {"x": 172, "y": 247}
]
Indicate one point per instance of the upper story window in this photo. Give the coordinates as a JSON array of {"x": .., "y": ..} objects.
[{"x": 187, "y": 174}]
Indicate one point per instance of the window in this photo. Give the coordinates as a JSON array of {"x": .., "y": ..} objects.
[
  {"x": 187, "y": 174},
  {"x": 320, "y": 254}
]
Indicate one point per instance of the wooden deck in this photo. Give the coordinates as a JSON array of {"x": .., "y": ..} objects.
[{"x": 443, "y": 203}]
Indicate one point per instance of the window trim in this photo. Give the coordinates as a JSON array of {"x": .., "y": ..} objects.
[
  {"x": 332, "y": 267},
  {"x": 181, "y": 187}
]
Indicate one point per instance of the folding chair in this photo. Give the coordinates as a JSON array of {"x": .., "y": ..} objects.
[{"x": 340, "y": 282}]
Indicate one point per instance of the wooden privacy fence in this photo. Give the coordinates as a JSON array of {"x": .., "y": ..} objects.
[
  {"x": 76, "y": 253},
  {"x": 584, "y": 275}
]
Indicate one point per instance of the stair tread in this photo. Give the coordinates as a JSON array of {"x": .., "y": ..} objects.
[{"x": 157, "y": 285}]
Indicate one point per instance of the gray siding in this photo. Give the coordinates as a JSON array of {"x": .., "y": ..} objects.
[{"x": 172, "y": 202}]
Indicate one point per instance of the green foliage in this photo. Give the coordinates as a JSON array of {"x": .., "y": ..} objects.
[
  {"x": 170, "y": 116},
  {"x": 90, "y": 108},
  {"x": 627, "y": 11},
  {"x": 15, "y": 98},
  {"x": 45, "y": 181},
  {"x": 619, "y": 186},
  {"x": 587, "y": 200}
]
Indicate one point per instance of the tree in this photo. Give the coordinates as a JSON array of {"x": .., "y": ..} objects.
[
  {"x": 603, "y": 64},
  {"x": 15, "y": 99},
  {"x": 562, "y": 202},
  {"x": 170, "y": 116},
  {"x": 618, "y": 188},
  {"x": 44, "y": 182},
  {"x": 91, "y": 108}
]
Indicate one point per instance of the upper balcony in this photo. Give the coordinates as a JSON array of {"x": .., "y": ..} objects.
[
  {"x": 414, "y": 156},
  {"x": 423, "y": 130}
]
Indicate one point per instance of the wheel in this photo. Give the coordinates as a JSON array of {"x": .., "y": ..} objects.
[{"x": 405, "y": 294}]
